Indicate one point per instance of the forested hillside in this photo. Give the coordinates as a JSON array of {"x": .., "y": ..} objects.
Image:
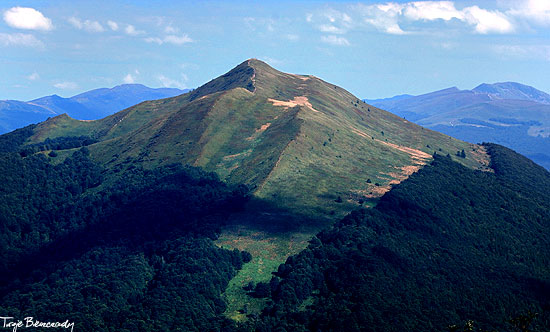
[
  {"x": 132, "y": 255},
  {"x": 445, "y": 246}
]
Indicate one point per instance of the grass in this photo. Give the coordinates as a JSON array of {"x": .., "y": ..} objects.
[{"x": 268, "y": 250}]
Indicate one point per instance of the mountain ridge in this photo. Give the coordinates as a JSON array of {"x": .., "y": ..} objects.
[
  {"x": 507, "y": 113},
  {"x": 274, "y": 132},
  {"x": 89, "y": 105}
]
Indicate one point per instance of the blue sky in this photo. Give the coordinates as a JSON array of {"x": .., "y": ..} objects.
[{"x": 374, "y": 49}]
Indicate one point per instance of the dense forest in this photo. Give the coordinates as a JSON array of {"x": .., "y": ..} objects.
[
  {"x": 448, "y": 246},
  {"x": 130, "y": 255}
]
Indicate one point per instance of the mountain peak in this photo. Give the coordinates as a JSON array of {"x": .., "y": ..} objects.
[
  {"x": 513, "y": 90},
  {"x": 258, "y": 64},
  {"x": 239, "y": 77}
]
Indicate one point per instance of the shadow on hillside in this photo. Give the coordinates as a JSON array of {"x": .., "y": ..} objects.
[
  {"x": 153, "y": 218},
  {"x": 265, "y": 216}
]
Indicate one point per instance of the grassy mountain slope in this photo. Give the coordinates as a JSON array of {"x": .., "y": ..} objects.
[{"x": 300, "y": 143}]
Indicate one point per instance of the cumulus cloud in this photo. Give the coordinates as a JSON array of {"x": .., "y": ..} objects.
[
  {"x": 391, "y": 16},
  {"x": 19, "y": 39},
  {"x": 171, "y": 83},
  {"x": 335, "y": 40},
  {"x": 90, "y": 26},
  {"x": 27, "y": 18},
  {"x": 432, "y": 10},
  {"x": 132, "y": 31},
  {"x": 535, "y": 11},
  {"x": 170, "y": 39},
  {"x": 131, "y": 78},
  {"x": 384, "y": 17},
  {"x": 66, "y": 85},
  {"x": 113, "y": 25},
  {"x": 33, "y": 77},
  {"x": 487, "y": 21}
]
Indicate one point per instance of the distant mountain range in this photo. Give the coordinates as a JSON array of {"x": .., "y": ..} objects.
[
  {"x": 90, "y": 105},
  {"x": 511, "y": 114}
]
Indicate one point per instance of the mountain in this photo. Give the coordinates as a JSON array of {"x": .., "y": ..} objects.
[
  {"x": 16, "y": 114},
  {"x": 90, "y": 105},
  {"x": 512, "y": 90},
  {"x": 59, "y": 105},
  {"x": 227, "y": 209},
  {"x": 300, "y": 143},
  {"x": 511, "y": 114},
  {"x": 108, "y": 101}
]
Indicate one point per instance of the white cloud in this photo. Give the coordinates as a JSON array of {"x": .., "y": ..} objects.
[
  {"x": 335, "y": 40},
  {"x": 170, "y": 39},
  {"x": 487, "y": 21},
  {"x": 331, "y": 29},
  {"x": 33, "y": 77},
  {"x": 170, "y": 29},
  {"x": 391, "y": 16},
  {"x": 90, "y": 26},
  {"x": 331, "y": 21},
  {"x": 534, "y": 11},
  {"x": 113, "y": 25},
  {"x": 131, "y": 30},
  {"x": 383, "y": 17},
  {"x": 20, "y": 39},
  {"x": 27, "y": 18},
  {"x": 66, "y": 85},
  {"x": 171, "y": 83},
  {"x": 129, "y": 79},
  {"x": 155, "y": 40},
  {"x": 177, "y": 40},
  {"x": 432, "y": 10}
]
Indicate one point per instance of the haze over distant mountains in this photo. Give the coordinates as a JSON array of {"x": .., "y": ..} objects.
[
  {"x": 90, "y": 105},
  {"x": 509, "y": 113}
]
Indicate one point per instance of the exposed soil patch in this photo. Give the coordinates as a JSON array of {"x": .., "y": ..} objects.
[
  {"x": 259, "y": 131},
  {"x": 297, "y": 101},
  {"x": 414, "y": 153},
  {"x": 480, "y": 155}
]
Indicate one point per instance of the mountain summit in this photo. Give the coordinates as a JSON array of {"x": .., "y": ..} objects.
[
  {"x": 513, "y": 90},
  {"x": 298, "y": 142}
]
